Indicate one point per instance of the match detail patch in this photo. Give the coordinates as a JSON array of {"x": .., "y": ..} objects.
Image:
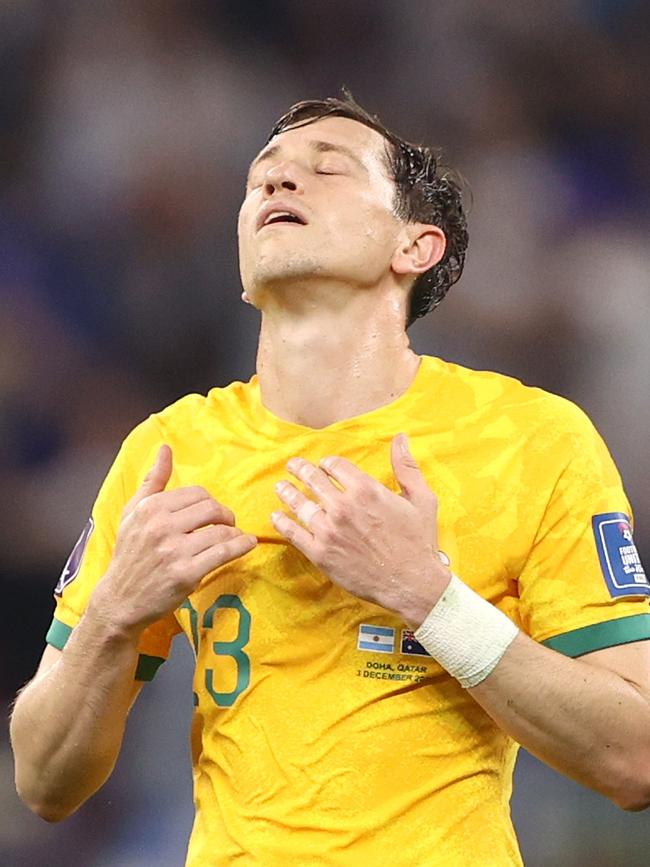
[
  {"x": 379, "y": 639},
  {"x": 619, "y": 559},
  {"x": 73, "y": 563}
]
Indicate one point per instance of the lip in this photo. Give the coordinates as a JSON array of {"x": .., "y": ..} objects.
[{"x": 272, "y": 207}]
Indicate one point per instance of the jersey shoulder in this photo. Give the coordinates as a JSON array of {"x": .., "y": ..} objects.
[
  {"x": 196, "y": 414},
  {"x": 490, "y": 393}
]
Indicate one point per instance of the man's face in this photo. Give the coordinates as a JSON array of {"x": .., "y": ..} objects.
[{"x": 319, "y": 204}]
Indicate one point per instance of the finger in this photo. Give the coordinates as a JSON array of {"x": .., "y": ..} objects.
[
  {"x": 200, "y": 514},
  {"x": 160, "y": 474},
  {"x": 156, "y": 479},
  {"x": 315, "y": 479},
  {"x": 307, "y": 512},
  {"x": 181, "y": 498},
  {"x": 299, "y": 537},
  {"x": 302, "y": 507},
  {"x": 223, "y": 552},
  {"x": 413, "y": 485},
  {"x": 345, "y": 472},
  {"x": 207, "y": 537}
]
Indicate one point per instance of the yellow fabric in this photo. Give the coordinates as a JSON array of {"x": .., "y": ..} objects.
[{"x": 307, "y": 750}]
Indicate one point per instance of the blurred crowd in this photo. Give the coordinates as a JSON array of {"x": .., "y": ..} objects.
[{"x": 126, "y": 129}]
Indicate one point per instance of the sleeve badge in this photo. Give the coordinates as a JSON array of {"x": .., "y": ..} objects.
[
  {"x": 619, "y": 559},
  {"x": 73, "y": 563}
]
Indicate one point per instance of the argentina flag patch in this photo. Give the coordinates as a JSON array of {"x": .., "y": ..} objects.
[
  {"x": 619, "y": 559},
  {"x": 379, "y": 639}
]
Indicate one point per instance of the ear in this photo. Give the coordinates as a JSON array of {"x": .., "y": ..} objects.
[{"x": 422, "y": 247}]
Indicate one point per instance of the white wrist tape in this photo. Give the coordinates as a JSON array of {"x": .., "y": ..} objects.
[{"x": 466, "y": 634}]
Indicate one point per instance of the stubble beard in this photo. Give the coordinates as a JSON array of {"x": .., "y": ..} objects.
[{"x": 278, "y": 271}]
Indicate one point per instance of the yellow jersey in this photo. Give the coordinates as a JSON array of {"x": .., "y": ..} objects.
[{"x": 323, "y": 734}]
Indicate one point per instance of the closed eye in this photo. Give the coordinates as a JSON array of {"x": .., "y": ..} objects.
[{"x": 331, "y": 167}]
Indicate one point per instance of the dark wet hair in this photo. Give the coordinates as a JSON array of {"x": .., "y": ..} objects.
[{"x": 426, "y": 192}]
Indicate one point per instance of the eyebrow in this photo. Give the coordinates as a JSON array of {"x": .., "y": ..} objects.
[{"x": 321, "y": 147}]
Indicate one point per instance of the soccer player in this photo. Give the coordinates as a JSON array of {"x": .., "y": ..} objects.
[{"x": 367, "y": 661}]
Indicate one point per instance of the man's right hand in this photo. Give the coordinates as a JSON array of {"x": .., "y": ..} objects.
[{"x": 166, "y": 543}]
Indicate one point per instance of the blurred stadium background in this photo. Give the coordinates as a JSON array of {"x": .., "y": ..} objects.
[{"x": 125, "y": 133}]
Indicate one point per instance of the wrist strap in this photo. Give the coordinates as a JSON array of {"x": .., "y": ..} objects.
[{"x": 466, "y": 634}]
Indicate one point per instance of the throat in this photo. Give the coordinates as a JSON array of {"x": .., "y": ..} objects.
[{"x": 322, "y": 381}]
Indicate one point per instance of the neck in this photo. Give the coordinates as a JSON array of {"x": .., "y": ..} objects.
[{"x": 317, "y": 367}]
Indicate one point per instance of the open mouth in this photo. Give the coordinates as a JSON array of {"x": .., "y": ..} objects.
[
  {"x": 282, "y": 217},
  {"x": 276, "y": 216}
]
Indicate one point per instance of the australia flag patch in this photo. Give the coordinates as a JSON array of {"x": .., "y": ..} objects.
[
  {"x": 411, "y": 646},
  {"x": 619, "y": 559}
]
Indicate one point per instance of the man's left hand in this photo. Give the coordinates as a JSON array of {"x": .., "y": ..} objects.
[{"x": 376, "y": 544}]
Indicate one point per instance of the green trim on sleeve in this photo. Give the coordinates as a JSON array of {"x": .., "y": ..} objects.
[
  {"x": 58, "y": 634},
  {"x": 611, "y": 633},
  {"x": 148, "y": 666}
]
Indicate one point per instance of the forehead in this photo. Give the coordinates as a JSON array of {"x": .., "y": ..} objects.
[{"x": 367, "y": 144}]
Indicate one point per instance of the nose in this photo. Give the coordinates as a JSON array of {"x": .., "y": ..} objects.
[{"x": 282, "y": 176}]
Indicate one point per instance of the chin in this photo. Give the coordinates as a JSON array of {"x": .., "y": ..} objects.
[{"x": 292, "y": 268}]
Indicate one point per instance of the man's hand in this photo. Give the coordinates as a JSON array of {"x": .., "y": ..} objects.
[
  {"x": 166, "y": 543},
  {"x": 376, "y": 544}
]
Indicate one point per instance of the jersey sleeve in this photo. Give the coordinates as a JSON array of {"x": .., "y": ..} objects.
[
  {"x": 583, "y": 587},
  {"x": 93, "y": 551}
]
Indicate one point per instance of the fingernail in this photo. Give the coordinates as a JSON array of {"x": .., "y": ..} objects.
[
  {"x": 404, "y": 445},
  {"x": 293, "y": 464},
  {"x": 279, "y": 487},
  {"x": 326, "y": 463}
]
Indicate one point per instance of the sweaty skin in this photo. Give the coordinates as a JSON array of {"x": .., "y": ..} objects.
[{"x": 332, "y": 292}]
